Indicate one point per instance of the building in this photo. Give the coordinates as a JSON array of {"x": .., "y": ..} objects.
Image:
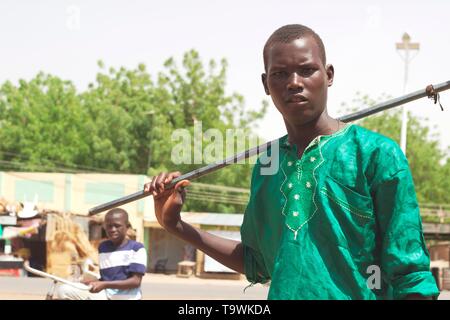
[
  {"x": 76, "y": 193},
  {"x": 66, "y": 193},
  {"x": 166, "y": 251}
]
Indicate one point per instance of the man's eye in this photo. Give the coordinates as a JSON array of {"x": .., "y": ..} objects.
[
  {"x": 308, "y": 71},
  {"x": 278, "y": 73}
]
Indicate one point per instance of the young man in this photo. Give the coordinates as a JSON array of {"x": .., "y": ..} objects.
[
  {"x": 122, "y": 264},
  {"x": 340, "y": 219}
]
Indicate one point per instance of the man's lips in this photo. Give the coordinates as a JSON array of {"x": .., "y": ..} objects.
[{"x": 296, "y": 98}]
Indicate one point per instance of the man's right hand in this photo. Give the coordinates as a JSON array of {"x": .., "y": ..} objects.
[{"x": 168, "y": 203}]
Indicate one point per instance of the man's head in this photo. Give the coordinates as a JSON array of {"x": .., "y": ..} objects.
[
  {"x": 116, "y": 225},
  {"x": 297, "y": 76},
  {"x": 289, "y": 33}
]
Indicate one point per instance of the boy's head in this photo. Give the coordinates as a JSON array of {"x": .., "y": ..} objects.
[
  {"x": 116, "y": 225},
  {"x": 296, "y": 74}
]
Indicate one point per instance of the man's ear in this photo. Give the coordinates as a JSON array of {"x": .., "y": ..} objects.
[
  {"x": 330, "y": 74},
  {"x": 264, "y": 81}
]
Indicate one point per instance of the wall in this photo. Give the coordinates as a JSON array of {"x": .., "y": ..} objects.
[
  {"x": 164, "y": 246},
  {"x": 440, "y": 251},
  {"x": 77, "y": 193}
]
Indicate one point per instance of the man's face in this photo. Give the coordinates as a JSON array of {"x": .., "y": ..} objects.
[
  {"x": 116, "y": 227},
  {"x": 297, "y": 80}
]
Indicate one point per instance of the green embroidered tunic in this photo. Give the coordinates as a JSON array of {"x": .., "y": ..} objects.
[{"x": 341, "y": 222}]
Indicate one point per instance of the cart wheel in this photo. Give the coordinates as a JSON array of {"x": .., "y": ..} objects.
[{"x": 51, "y": 291}]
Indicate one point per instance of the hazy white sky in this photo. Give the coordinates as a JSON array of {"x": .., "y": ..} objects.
[{"x": 66, "y": 38}]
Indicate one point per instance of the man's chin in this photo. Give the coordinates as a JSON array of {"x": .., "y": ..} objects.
[
  {"x": 300, "y": 117},
  {"x": 116, "y": 240}
]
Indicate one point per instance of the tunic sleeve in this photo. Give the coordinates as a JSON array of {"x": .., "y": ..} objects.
[
  {"x": 254, "y": 266},
  {"x": 405, "y": 261}
]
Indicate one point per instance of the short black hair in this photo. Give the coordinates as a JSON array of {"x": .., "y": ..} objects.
[
  {"x": 118, "y": 211},
  {"x": 289, "y": 33}
]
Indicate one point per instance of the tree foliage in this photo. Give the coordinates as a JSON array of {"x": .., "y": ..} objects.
[
  {"x": 42, "y": 124},
  {"x": 122, "y": 122}
]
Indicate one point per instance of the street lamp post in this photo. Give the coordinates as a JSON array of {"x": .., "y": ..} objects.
[
  {"x": 406, "y": 45},
  {"x": 150, "y": 113}
]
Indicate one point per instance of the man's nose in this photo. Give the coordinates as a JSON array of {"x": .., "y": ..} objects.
[{"x": 295, "y": 82}]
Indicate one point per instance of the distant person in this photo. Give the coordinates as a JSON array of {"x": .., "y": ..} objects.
[
  {"x": 122, "y": 261},
  {"x": 339, "y": 219}
]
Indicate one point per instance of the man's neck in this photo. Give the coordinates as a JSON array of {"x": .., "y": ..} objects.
[
  {"x": 302, "y": 135},
  {"x": 121, "y": 243}
]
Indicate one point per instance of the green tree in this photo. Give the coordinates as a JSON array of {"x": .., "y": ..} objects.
[
  {"x": 43, "y": 127},
  {"x": 118, "y": 104},
  {"x": 191, "y": 94},
  {"x": 123, "y": 123}
]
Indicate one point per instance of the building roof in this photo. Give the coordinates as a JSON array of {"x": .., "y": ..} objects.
[{"x": 208, "y": 218}]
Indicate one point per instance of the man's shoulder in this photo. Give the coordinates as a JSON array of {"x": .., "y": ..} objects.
[
  {"x": 382, "y": 155},
  {"x": 373, "y": 140},
  {"x": 369, "y": 135}
]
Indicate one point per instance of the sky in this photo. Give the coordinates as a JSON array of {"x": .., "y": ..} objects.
[{"x": 67, "y": 38}]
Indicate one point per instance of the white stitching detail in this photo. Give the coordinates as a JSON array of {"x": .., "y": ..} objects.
[
  {"x": 315, "y": 188},
  {"x": 345, "y": 205},
  {"x": 281, "y": 187}
]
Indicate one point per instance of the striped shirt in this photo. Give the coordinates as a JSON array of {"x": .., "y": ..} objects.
[{"x": 119, "y": 264}]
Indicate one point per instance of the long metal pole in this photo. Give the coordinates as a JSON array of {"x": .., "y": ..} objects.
[
  {"x": 404, "y": 130},
  {"x": 259, "y": 149},
  {"x": 407, "y": 46}
]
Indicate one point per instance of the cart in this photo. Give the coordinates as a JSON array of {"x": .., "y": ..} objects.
[{"x": 55, "y": 280}]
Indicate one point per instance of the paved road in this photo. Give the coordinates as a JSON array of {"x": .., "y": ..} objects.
[
  {"x": 155, "y": 287},
  {"x": 445, "y": 295}
]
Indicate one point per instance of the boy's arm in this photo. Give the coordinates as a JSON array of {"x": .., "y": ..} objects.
[
  {"x": 133, "y": 282},
  {"x": 168, "y": 206}
]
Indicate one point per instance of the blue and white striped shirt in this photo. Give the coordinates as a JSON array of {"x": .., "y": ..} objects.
[{"x": 119, "y": 264}]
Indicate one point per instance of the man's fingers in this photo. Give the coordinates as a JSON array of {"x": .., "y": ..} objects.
[
  {"x": 156, "y": 183},
  {"x": 181, "y": 185},
  {"x": 179, "y": 193},
  {"x": 172, "y": 175},
  {"x": 157, "y": 186},
  {"x": 153, "y": 185},
  {"x": 160, "y": 182}
]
